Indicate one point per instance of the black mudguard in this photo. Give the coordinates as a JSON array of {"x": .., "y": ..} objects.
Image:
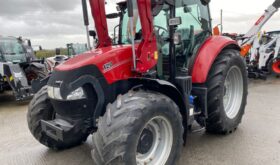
[{"x": 36, "y": 85}]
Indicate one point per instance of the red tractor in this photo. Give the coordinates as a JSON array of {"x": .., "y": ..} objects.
[{"x": 140, "y": 94}]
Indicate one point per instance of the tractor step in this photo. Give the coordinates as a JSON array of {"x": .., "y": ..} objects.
[
  {"x": 56, "y": 129},
  {"x": 196, "y": 128}
]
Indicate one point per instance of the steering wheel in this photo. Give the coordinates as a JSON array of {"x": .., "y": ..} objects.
[
  {"x": 158, "y": 28},
  {"x": 159, "y": 36}
]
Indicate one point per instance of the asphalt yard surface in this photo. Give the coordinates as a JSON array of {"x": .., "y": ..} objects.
[{"x": 256, "y": 141}]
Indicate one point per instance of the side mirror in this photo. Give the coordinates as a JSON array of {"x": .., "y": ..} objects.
[
  {"x": 40, "y": 48},
  {"x": 175, "y": 21},
  {"x": 57, "y": 51},
  {"x": 216, "y": 31},
  {"x": 29, "y": 43},
  {"x": 92, "y": 33}
]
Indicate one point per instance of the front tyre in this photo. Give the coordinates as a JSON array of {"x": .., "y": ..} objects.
[
  {"x": 40, "y": 108},
  {"x": 140, "y": 127},
  {"x": 227, "y": 92}
]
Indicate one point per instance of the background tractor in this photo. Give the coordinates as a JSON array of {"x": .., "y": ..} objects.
[
  {"x": 72, "y": 50},
  {"x": 19, "y": 66},
  {"x": 140, "y": 95}
]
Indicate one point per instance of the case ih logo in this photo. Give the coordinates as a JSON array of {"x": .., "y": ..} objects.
[
  {"x": 107, "y": 66},
  {"x": 259, "y": 20}
]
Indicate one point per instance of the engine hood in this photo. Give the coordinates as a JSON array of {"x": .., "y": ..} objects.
[{"x": 113, "y": 62}]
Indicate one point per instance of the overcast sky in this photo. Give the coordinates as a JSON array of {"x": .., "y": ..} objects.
[{"x": 53, "y": 23}]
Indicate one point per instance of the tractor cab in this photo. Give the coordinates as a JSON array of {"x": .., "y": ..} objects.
[
  {"x": 192, "y": 27},
  {"x": 11, "y": 50}
]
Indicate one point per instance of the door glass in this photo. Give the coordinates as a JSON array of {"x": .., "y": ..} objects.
[
  {"x": 126, "y": 28},
  {"x": 194, "y": 28},
  {"x": 161, "y": 30}
]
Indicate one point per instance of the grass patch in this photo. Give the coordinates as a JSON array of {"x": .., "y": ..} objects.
[{"x": 49, "y": 53}]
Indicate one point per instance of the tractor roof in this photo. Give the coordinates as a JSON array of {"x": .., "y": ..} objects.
[{"x": 7, "y": 38}]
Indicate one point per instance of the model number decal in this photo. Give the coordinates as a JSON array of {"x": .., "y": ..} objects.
[{"x": 107, "y": 66}]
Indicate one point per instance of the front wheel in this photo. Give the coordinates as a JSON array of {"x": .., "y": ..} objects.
[
  {"x": 140, "y": 127},
  {"x": 227, "y": 92},
  {"x": 40, "y": 108}
]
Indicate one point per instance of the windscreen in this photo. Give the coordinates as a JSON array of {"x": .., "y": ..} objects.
[
  {"x": 12, "y": 51},
  {"x": 78, "y": 49}
]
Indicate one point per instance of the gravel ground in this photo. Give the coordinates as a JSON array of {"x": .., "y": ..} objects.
[{"x": 256, "y": 142}]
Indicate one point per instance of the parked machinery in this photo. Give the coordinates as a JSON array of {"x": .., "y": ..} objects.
[
  {"x": 72, "y": 50},
  {"x": 141, "y": 95},
  {"x": 76, "y": 49},
  {"x": 18, "y": 67},
  {"x": 267, "y": 54},
  {"x": 250, "y": 41}
]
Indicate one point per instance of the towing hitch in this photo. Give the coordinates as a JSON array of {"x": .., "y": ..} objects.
[{"x": 56, "y": 129}]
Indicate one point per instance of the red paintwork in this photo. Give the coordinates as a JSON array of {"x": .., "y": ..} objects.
[
  {"x": 99, "y": 16},
  {"x": 207, "y": 55},
  {"x": 276, "y": 67},
  {"x": 119, "y": 56},
  {"x": 260, "y": 20},
  {"x": 148, "y": 45}
]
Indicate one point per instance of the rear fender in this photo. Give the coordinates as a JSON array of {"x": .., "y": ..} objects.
[{"x": 207, "y": 54}]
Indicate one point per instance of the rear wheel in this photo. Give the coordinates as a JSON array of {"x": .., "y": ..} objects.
[
  {"x": 141, "y": 127},
  {"x": 227, "y": 92},
  {"x": 39, "y": 109}
]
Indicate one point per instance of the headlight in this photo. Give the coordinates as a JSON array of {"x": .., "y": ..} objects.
[
  {"x": 77, "y": 94},
  {"x": 54, "y": 93}
]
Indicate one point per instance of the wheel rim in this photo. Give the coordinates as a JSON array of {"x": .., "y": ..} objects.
[
  {"x": 233, "y": 93},
  {"x": 276, "y": 67},
  {"x": 155, "y": 143}
]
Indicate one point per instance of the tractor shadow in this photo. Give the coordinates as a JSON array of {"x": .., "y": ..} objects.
[
  {"x": 7, "y": 99},
  {"x": 74, "y": 156}
]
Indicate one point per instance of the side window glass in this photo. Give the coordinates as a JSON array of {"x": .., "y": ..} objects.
[
  {"x": 195, "y": 26},
  {"x": 162, "y": 32}
]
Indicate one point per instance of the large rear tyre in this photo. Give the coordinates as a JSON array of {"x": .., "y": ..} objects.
[
  {"x": 39, "y": 109},
  {"x": 140, "y": 127},
  {"x": 227, "y": 92},
  {"x": 34, "y": 73}
]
